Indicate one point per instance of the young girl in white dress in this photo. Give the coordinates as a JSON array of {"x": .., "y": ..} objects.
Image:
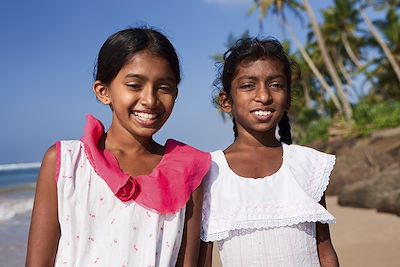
[
  {"x": 118, "y": 198},
  {"x": 264, "y": 201}
]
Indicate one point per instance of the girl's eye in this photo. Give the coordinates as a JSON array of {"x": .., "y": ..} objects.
[
  {"x": 164, "y": 88},
  {"x": 247, "y": 86},
  {"x": 277, "y": 85},
  {"x": 167, "y": 88},
  {"x": 135, "y": 86}
]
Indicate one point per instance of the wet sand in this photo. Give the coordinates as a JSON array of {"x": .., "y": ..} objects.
[
  {"x": 362, "y": 238},
  {"x": 13, "y": 240}
]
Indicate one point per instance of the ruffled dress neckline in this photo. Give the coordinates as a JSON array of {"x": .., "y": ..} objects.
[{"x": 166, "y": 189}]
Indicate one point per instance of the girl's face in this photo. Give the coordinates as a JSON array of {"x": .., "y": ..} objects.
[
  {"x": 142, "y": 95},
  {"x": 259, "y": 95}
]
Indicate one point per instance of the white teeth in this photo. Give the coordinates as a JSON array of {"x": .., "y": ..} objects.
[
  {"x": 145, "y": 116},
  {"x": 262, "y": 113}
]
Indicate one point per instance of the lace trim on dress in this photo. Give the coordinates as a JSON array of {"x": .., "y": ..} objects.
[
  {"x": 315, "y": 180},
  {"x": 285, "y": 222},
  {"x": 323, "y": 173}
]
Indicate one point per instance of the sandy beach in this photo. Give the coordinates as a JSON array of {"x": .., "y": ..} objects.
[{"x": 362, "y": 238}]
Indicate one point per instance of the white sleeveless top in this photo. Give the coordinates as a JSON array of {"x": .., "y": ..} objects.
[
  {"x": 267, "y": 221},
  {"x": 98, "y": 229},
  {"x": 108, "y": 218}
]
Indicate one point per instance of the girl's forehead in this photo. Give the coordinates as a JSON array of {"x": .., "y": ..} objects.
[
  {"x": 260, "y": 65},
  {"x": 247, "y": 62},
  {"x": 142, "y": 53},
  {"x": 144, "y": 64}
]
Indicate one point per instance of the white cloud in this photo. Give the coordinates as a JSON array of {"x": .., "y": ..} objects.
[{"x": 229, "y": 2}]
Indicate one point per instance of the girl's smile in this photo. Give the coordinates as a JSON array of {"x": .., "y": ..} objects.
[
  {"x": 145, "y": 118},
  {"x": 263, "y": 115}
]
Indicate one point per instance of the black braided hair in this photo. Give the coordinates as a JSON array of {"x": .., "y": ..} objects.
[
  {"x": 235, "y": 131},
  {"x": 284, "y": 129}
]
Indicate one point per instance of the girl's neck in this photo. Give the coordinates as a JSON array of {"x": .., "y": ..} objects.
[
  {"x": 256, "y": 140},
  {"x": 126, "y": 143}
]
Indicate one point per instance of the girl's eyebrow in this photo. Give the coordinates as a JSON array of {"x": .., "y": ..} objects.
[
  {"x": 269, "y": 78},
  {"x": 133, "y": 75},
  {"x": 143, "y": 77},
  {"x": 247, "y": 77},
  {"x": 273, "y": 77}
]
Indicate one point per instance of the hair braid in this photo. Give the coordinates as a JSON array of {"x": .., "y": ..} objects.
[
  {"x": 235, "y": 131},
  {"x": 284, "y": 129}
]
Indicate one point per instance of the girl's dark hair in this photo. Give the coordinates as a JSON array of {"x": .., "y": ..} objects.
[
  {"x": 121, "y": 46},
  {"x": 252, "y": 49}
]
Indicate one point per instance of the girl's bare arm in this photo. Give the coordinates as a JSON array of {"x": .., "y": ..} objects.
[
  {"x": 189, "y": 252},
  {"x": 326, "y": 252},
  {"x": 205, "y": 255},
  {"x": 44, "y": 231}
]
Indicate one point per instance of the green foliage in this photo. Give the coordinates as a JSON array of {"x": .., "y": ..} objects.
[
  {"x": 306, "y": 116},
  {"x": 308, "y": 125},
  {"x": 316, "y": 130},
  {"x": 373, "y": 113}
]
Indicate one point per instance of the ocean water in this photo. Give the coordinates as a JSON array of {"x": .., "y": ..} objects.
[{"x": 17, "y": 188}]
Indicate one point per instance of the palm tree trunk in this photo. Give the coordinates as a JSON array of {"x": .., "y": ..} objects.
[
  {"x": 343, "y": 70},
  {"x": 321, "y": 105},
  {"x": 306, "y": 92},
  {"x": 313, "y": 68},
  {"x": 382, "y": 44},
  {"x": 350, "y": 51},
  {"x": 347, "y": 77},
  {"x": 328, "y": 62}
]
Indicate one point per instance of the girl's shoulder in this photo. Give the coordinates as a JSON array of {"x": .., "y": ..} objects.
[
  {"x": 219, "y": 167},
  {"x": 311, "y": 168},
  {"x": 302, "y": 151}
]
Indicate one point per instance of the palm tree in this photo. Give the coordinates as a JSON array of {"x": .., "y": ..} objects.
[
  {"x": 388, "y": 85},
  {"x": 375, "y": 33},
  {"x": 328, "y": 61},
  {"x": 341, "y": 23}
]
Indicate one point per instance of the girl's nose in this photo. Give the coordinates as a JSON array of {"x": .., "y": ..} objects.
[
  {"x": 148, "y": 97},
  {"x": 263, "y": 95}
]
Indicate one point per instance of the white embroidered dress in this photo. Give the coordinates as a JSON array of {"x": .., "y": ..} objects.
[
  {"x": 98, "y": 229},
  {"x": 267, "y": 221}
]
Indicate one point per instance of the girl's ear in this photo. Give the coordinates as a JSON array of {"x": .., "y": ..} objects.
[
  {"x": 225, "y": 102},
  {"x": 102, "y": 92}
]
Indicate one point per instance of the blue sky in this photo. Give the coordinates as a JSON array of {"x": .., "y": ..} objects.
[{"x": 48, "y": 49}]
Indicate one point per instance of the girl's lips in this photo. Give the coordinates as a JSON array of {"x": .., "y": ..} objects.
[
  {"x": 146, "y": 119},
  {"x": 262, "y": 115}
]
